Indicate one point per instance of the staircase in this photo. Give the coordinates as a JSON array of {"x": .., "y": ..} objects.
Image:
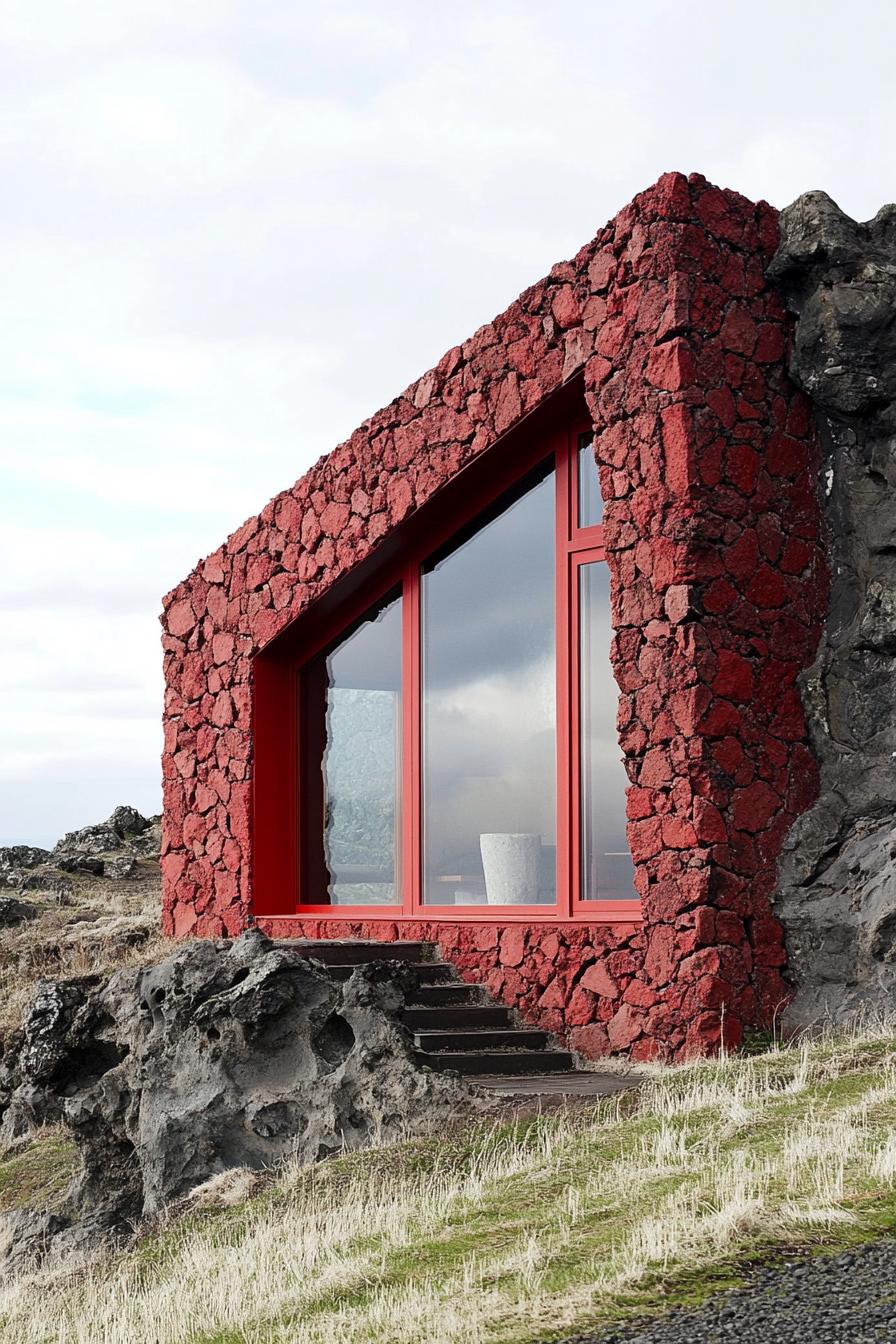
[{"x": 459, "y": 1026}]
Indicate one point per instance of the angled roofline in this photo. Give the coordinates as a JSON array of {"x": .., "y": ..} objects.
[{"x": 483, "y": 387}]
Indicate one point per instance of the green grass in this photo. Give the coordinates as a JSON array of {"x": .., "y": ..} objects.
[
  {"x": 37, "y": 1174},
  {"x": 518, "y": 1233}
]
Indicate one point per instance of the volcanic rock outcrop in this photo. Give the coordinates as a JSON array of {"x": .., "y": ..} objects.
[
  {"x": 837, "y": 879},
  {"x": 227, "y": 1054},
  {"x": 108, "y": 849}
]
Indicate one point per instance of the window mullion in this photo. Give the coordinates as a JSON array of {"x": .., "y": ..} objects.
[{"x": 411, "y": 773}]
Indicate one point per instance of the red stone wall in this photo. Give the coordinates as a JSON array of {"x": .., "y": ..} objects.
[
  {"x": 708, "y": 469},
  {"x": 708, "y": 463}
]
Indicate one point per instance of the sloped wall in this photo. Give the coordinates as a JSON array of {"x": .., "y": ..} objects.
[{"x": 708, "y": 465}]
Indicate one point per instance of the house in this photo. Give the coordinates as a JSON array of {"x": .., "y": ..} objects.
[{"x": 515, "y": 668}]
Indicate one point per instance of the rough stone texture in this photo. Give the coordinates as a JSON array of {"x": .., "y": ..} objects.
[
  {"x": 224, "y": 1055},
  {"x": 26, "y": 1237},
  {"x": 148, "y": 844},
  {"x": 89, "y": 841},
  {"x": 41, "y": 1065},
  {"x": 17, "y": 862},
  {"x": 707, "y": 459},
  {"x": 22, "y": 856},
  {"x": 80, "y": 863},
  {"x": 49, "y": 880},
  {"x": 128, "y": 822},
  {"x": 124, "y": 866},
  {"x": 109, "y": 849},
  {"x": 837, "y": 895},
  {"x": 14, "y": 912},
  {"x": 125, "y": 825}
]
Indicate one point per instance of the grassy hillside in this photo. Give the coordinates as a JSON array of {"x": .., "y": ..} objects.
[{"x": 513, "y": 1233}]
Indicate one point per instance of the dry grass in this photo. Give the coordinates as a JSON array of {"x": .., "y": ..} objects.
[
  {"x": 515, "y": 1233},
  {"x": 105, "y": 925}
]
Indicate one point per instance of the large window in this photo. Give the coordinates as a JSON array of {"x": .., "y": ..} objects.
[
  {"x": 489, "y": 709},
  {"x": 457, "y": 738}
]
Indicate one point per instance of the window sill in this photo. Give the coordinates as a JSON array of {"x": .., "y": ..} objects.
[{"x": 603, "y": 912}]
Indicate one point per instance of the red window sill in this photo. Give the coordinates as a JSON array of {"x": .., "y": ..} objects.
[{"x": 598, "y": 912}]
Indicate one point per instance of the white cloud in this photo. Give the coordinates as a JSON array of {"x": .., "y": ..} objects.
[
  {"x": 42, "y": 28},
  {"x": 230, "y": 233}
]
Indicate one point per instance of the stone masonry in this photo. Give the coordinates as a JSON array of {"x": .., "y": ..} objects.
[{"x": 708, "y": 464}]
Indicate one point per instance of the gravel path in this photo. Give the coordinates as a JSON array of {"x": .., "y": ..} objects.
[{"x": 844, "y": 1299}]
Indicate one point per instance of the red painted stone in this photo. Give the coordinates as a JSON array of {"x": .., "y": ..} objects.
[
  {"x": 513, "y": 945},
  {"x": 752, "y": 808},
  {"x": 734, "y": 679},
  {"x": 591, "y": 1041},
  {"x": 625, "y": 1026},
  {"x": 598, "y": 980}
]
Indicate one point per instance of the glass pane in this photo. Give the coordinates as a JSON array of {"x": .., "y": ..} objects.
[
  {"x": 607, "y": 868},
  {"x": 361, "y": 761},
  {"x": 591, "y": 506},
  {"x": 489, "y": 709}
]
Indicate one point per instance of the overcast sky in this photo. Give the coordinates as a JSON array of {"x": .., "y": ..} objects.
[{"x": 230, "y": 231}]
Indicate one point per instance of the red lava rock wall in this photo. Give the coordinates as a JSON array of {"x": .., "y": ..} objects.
[{"x": 707, "y": 463}]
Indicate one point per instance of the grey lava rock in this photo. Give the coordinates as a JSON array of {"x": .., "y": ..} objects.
[
  {"x": 26, "y": 1238},
  {"x": 90, "y": 840},
  {"x": 148, "y": 844},
  {"x": 22, "y": 856},
  {"x": 127, "y": 821},
  {"x": 79, "y": 863},
  {"x": 60, "y": 1022},
  {"x": 29, "y": 1109},
  {"x": 126, "y": 833},
  {"x": 109, "y": 849},
  {"x": 125, "y": 866},
  {"x": 14, "y": 912},
  {"x": 837, "y": 879},
  {"x": 44, "y": 1062},
  {"x": 51, "y": 881},
  {"x": 16, "y": 861},
  {"x": 224, "y": 1055}
]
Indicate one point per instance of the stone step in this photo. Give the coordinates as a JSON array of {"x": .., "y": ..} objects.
[
  {"x": 457, "y": 1026},
  {"x": 432, "y": 972},
  {"x": 440, "y": 996},
  {"x": 513, "y": 1038},
  {"x": 498, "y": 1061},
  {"x": 459, "y": 1017},
  {"x": 357, "y": 951}
]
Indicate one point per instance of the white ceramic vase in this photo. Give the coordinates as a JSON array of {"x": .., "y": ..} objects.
[{"x": 512, "y": 867}]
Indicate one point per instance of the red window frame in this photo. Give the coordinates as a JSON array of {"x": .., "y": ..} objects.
[{"x": 279, "y": 717}]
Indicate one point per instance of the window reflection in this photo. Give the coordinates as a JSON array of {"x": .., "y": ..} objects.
[
  {"x": 591, "y": 505},
  {"x": 489, "y": 719},
  {"x": 361, "y": 761},
  {"x": 607, "y": 869}
]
